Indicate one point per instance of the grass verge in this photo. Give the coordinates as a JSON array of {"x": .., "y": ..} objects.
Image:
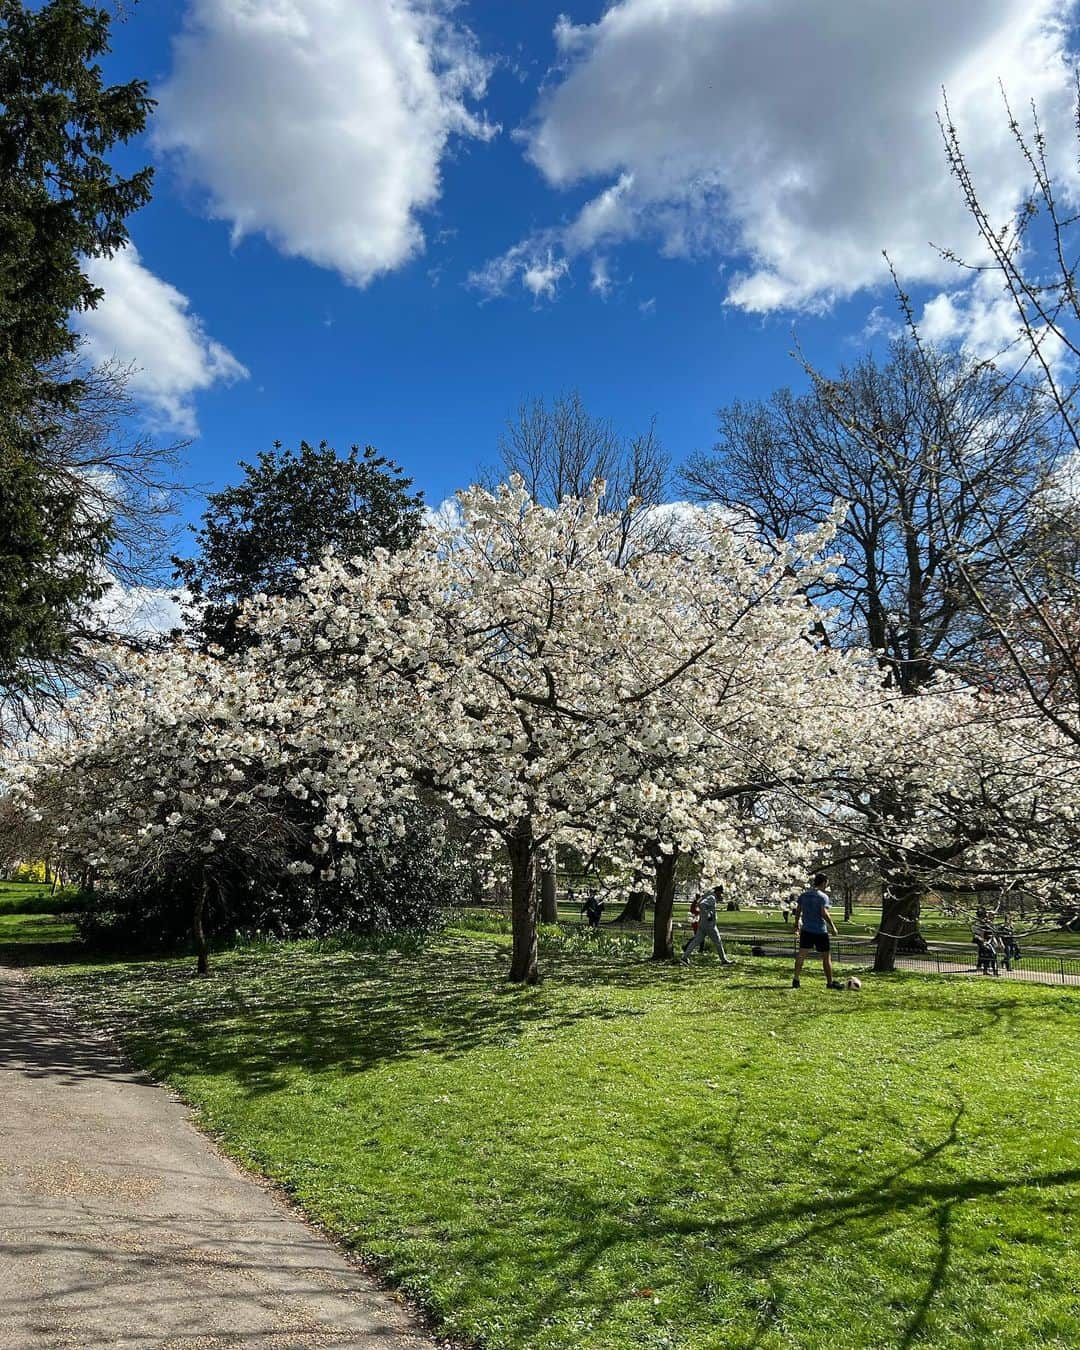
[{"x": 633, "y": 1156}]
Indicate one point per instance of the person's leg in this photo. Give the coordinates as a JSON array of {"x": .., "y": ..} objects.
[
  {"x": 800, "y": 957},
  {"x": 826, "y": 961},
  {"x": 692, "y": 946}
]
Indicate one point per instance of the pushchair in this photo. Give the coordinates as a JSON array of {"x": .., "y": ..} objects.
[{"x": 986, "y": 956}]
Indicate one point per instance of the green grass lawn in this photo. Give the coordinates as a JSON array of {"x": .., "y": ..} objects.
[{"x": 639, "y": 1156}]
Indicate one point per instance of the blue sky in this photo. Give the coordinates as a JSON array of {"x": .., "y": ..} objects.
[{"x": 486, "y": 202}]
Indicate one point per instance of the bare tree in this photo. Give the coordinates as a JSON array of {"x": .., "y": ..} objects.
[
  {"x": 559, "y": 449},
  {"x": 1033, "y": 622},
  {"x": 100, "y": 448},
  {"x": 123, "y": 482},
  {"x": 873, "y": 436}
]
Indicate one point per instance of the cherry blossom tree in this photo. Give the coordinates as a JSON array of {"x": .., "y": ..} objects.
[
  {"x": 173, "y": 770},
  {"x": 511, "y": 664},
  {"x": 958, "y": 788}
]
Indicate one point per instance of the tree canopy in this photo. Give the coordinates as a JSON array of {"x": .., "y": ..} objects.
[
  {"x": 61, "y": 202},
  {"x": 291, "y": 507}
]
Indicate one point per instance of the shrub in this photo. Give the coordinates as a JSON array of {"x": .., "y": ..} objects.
[
  {"x": 28, "y": 873},
  {"x": 409, "y": 894}
]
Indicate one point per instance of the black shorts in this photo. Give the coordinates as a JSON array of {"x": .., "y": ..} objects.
[{"x": 817, "y": 942}]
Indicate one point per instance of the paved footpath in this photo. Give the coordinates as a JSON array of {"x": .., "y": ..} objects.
[{"x": 121, "y": 1225}]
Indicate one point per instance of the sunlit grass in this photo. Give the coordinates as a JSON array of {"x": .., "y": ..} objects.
[{"x": 638, "y": 1156}]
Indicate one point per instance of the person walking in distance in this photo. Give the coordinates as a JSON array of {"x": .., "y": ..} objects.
[
  {"x": 813, "y": 924},
  {"x": 706, "y": 929}
]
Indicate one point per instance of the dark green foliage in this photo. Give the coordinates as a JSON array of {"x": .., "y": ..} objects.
[
  {"x": 290, "y": 509},
  {"x": 410, "y": 894},
  {"x": 60, "y": 203},
  {"x": 48, "y": 569},
  {"x": 60, "y": 200}
]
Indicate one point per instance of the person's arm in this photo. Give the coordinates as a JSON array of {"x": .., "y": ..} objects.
[
  {"x": 797, "y": 914},
  {"x": 827, "y": 912}
]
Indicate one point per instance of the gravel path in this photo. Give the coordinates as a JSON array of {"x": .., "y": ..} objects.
[{"x": 121, "y": 1225}]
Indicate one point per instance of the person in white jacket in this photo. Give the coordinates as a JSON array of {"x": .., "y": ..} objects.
[{"x": 707, "y": 931}]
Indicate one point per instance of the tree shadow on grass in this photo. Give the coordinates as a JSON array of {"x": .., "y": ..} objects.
[
  {"x": 265, "y": 1012},
  {"x": 845, "y": 1218},
  {"x": 259, "y": 1017},
  {"x": 264, "y": 1015}
]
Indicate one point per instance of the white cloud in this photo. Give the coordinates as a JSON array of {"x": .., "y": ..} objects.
[
  {"x": 322, "y": 123},
  {"x": 879, "y": 323},
  {"x": 796, "y": 136},
  {"x": 138, "y": 611},
  {"x": 147, "y": 324},
  {"x": 541, "y": 276},
  {"x": 982, "y": 318},
  {"x": 446, "y": 516},
  {"x": 601, "y": 281},
  {"x": 532, "y": 263}
]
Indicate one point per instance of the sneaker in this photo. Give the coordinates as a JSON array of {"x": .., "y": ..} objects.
[
  {"x": 795, "y": 983},
  {"x": 834, "y": 984},
  {"x": 727, "y": 961},
  {"x": 684, "y": 960}
]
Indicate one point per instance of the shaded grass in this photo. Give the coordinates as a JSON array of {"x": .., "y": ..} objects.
[{"x": 638, "y": 1156}]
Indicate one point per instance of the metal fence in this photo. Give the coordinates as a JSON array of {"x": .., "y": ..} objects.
[
  {"x": 1039, "y": 964},
  {"x": 1042, "y": 965}
]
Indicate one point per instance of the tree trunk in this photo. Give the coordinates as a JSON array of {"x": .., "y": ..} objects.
[
  {"x": 634, "y": 909},
  {"x": 197, "y": 929},
  {"x": 664, "y": 903},
  {"x": 900, "y": 904},
  {"x": 524, "y": 963},
  {"x": 549, "y": 904},
  {"x": 476, "y": 885}
]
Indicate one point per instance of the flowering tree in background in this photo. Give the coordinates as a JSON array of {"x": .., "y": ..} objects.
[
  {"x": 516, "y": 667},
  {"x": 962, "y": 790},
  {"x": 174, "y": 770}
]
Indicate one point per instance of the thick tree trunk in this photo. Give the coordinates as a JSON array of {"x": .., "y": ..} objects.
[
  {"x": 634, "y": 909},
  {"x": 549, "y": 904},
  {"x": 524, "y": 963},
  {"x": 198, "y": 932},
  {"x": 900, "y": 905},
  {"x": 664, "y": 903}
]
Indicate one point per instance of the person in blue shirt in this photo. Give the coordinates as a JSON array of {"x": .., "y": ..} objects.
[{"x": 813, "y": 924}]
